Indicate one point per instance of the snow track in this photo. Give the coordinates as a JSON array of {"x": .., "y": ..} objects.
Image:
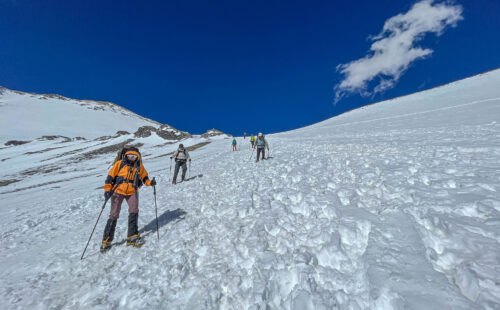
[{"x": 398, "y": 213}]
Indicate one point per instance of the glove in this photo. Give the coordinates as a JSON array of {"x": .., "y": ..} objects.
[
  {"x": 190, "y": 159},
  {"x": 153, "y": 182},
  {"x": 107, "y": 195}
]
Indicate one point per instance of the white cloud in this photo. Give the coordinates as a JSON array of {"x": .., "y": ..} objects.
[{"x": 393, "y": 50}]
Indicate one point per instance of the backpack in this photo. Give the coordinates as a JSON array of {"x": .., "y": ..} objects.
[
  {"x": 261, "y": 143},
  {"x": 183, "y": 151},
  {"x": 120, "y": 154}
]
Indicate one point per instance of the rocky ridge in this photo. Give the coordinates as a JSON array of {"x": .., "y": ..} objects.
[{"x": 213, "y": 133}]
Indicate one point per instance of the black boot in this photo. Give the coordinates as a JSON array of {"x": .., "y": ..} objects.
[
  {"x": 109, "y": 234},
  {"x": 133, "y": 237}
]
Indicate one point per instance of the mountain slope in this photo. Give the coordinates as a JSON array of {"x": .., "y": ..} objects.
[
  {"x": 393, "y": 206},
  {"x": 25, "y": 116},
  {"x": 429, "y": 106}
]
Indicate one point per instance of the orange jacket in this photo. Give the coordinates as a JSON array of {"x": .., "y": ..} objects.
[{"x": 122, "y": 175}]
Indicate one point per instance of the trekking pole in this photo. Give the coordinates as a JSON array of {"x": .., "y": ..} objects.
[
  {"x": 170, "y": 172},
  {"x": 253, "y": 149},
  {"x": 102, "y": 209},
  {"x": 156, "y": 209},
  {"x": 189, "y": 170}
]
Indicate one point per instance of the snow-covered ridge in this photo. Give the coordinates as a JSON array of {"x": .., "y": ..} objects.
[
  {"x": 89, "y": 104},
  {"x": 469, "y": 91},
  {"x": 27, "y": 116}
]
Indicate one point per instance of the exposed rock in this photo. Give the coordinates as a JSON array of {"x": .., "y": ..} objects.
[
  {"x": 7, "y": 182},
  {"x": 136, "y": 145},
  {"x": 168, "y": 132},
  {"x": 72, "y": 152},
  {"x": 197, "y": 146},
  {"x": 50, "y": 138},
  {"x": 16, "y": 142},
  {"x": 43, "y": 151},
  {"x": 165, "y": 144},
  {"x": 104, "y": 150},
  {"x": 40, "y": 170},
  {"x": 213, "y": 133},
  {"x": 56, "y": 96},
  {"x": 103, "y": 138},
  {"x": 117, "y": 134},
  {"x": 121, "y": 133},
  {"x": 4, "y": 90},
  {"x": 79, "y": 138},
  {"x": 144, "y": 131}
]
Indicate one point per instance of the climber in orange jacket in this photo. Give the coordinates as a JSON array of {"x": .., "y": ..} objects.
[{"x": 122, "y": 183}]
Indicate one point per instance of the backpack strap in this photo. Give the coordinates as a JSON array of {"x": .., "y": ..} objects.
[
  {"x": 137, "y": 165},
  {"x": 183, "y": 151}
]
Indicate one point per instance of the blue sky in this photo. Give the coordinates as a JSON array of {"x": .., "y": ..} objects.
[{"x": 239, "y": 66}]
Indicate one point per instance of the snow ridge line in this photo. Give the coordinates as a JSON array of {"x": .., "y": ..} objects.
[{"x": 410, "y": 114}]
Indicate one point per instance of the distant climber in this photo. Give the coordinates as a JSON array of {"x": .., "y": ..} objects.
[
  {"x": 122, "y": 183},
  {"x": 181, "y": 157},
  {"x": 261, "y": 144},
  {"x": 245, "y": 135},
  {"x": 252, "y": 140},
  {"x": 234, "y": 144}
]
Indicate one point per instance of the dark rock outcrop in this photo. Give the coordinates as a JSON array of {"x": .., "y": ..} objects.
[
  {"x": 7, "y": 182},
  {"x": 16, "y": 142},
  {"x": 168, "y": 132},
  {"x": 103, "y": 138},
  {"x": 144, "y": 131},
  {"x": 117, "y": 134},
  {"x": 213, "y": 133},
  {"x": 121, "y": 133},
  {"x": 50, "y": 138}
]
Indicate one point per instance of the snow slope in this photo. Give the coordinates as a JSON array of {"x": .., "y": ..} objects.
[
  {"x": 392, "y": 206},
  {"x": 25, "y": 116}
]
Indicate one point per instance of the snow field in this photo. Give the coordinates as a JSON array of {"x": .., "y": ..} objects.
[
  {"x": 381, "y": 208},
  {"x": 318, "y": 226}
]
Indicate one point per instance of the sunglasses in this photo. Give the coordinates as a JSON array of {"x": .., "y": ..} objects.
[{"x": 132, "y": 157}]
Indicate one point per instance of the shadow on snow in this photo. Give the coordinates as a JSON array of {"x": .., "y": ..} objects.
[
  {"x": 163, "y": 220},
  {"x": 194, "y": 177}
]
